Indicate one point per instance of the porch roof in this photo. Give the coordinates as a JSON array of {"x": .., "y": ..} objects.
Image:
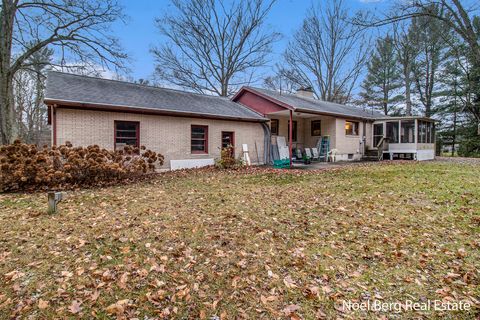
[
  {"x": 304, "y": 104},
  {"x": 385, "y": 118}
]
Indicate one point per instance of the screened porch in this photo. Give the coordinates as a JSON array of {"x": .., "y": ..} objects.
[{"x": 405, "y": 138}]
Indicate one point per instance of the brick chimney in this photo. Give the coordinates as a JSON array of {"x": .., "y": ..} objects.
[{"x": 305, "y": 92}]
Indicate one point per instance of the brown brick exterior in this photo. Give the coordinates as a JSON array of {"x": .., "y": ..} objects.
[{"x": 167, "y": 135}]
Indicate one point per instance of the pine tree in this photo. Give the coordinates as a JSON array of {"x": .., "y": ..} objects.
[
  {"x": 431, "y": 35},
  {"x": 380, "y": 87},
  {"x": 406, "y": 48}
]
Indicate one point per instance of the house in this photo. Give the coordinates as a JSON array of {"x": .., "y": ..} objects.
[
  {"x": 190, "y": 129},
  {"x": 187, "y": 128},
  {"x": 353, "y": 132}
]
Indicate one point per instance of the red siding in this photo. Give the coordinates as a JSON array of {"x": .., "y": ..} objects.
[{"x": 258, "y": 103}]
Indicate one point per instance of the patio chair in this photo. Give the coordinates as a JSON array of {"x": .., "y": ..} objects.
[
  {"x": 315, "y": 155},
  {"x": 308, "y": 153},
  {"x": 332, "y": 154},
  {"x": 298, "y": 154}
]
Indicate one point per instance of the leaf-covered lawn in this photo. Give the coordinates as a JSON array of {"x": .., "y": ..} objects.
[{"x": 260, "y": 245}]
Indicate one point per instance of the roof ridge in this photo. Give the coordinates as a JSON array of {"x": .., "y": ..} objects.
[
  {"x": 301, "y": 97},
  {"x": 317, "y": 102},
  {"x": 137, "y": 84}
]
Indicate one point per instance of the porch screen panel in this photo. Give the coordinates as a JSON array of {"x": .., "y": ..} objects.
[
  {"x": 430, "y": 132},
  {"x": 422, "y": 132},
  {"x": 392, "y": 132},
  {"x": 408, "y": 131},
  {"x": 377, "y": 133}
]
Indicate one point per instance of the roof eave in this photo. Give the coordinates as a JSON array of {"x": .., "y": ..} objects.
[
  {"x": 346, "y": 116},
  {"x": 267, "y": 97},
  {"x": 142, "y": 110}
]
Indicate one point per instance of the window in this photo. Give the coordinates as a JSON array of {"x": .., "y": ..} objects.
[
  {"x": 315, "y": 129},
  {"x": 351, "y": 128},
  {"x": 294, "y": 133},
  {"x": 407, "y": 131},
  {"x": 274, "y": 126},
  {"x": 392, "y": 131},
  {"x": 127, "y": 133},
  {"x": 199, "y": 142}
]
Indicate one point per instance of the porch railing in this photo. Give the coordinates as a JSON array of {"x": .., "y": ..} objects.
[{"x": 382, "y": 145}]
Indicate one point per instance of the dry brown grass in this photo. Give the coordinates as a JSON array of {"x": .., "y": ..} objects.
[{"x": 259, "y": 245}]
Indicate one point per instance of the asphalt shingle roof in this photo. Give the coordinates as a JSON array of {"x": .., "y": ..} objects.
[
  {"x": 316, "y": 105},
  {"x": 89, "y": 90}
]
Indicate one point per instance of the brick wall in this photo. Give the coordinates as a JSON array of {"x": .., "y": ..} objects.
[{"x": 167, "y": 135}]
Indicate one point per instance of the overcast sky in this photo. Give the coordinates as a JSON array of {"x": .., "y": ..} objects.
[{"x": 140, "y": 34}]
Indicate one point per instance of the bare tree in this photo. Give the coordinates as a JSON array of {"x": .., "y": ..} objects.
[
  {"x": 328, "y": 53},
  {"x": 213, "y": 47},
  {"x": 29, "y": 86},
  {"x": 281, "y": 80},
  {"x": 78, "y": 31}
]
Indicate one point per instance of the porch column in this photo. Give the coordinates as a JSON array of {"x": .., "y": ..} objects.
[{"x": 290, "y": 135}]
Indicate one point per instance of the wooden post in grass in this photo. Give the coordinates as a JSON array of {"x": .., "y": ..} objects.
[{"x": 53, "y": 199}]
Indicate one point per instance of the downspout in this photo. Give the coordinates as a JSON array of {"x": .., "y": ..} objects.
[
  {"x": 364, "y": 139},
  {"x": 290, "y": 135},
  {"x": 54, "y": 125},
  {"x": 267, "y": 144}
]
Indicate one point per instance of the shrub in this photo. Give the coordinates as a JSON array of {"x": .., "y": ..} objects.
[
  {"x": 227, "y": 159},
  {"x": 27, "y": 167}
]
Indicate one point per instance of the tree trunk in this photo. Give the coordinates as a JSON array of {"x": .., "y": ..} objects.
[
  {"x": 7, "y": 113},
  {"x": 408, "y": 99},
  {"x": 454, "y": 135},
  {"x": 8, "y": 130}
]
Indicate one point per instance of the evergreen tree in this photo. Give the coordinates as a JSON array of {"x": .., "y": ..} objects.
[
  {"x": 380, "y": 87},
  {"x": 406, "y": 49},
  {"x": 458, "y": 123},
  {"x": 430, "y": 34}
]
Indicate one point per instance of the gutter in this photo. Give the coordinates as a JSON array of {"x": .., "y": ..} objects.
[{"x": 346, "y": 116}]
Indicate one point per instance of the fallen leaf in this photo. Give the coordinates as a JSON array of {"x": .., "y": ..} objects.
[
  {"x": 42, "y": 304},
  {"x": 123, "y": 280},
  {"x": 75, "y": 308},
  {"x": 118, "y": 307},
  {"x": 288, "y": 310},
  {"x": 289, "y": 283}
]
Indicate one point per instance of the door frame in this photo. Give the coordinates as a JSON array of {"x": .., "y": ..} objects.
[
  {"x": 382, "y": 124},
  {"x": 232, "y": 137}
]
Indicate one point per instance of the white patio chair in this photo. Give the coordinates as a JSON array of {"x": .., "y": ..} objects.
[
  {"x": 315, "y": 155},
  {"x": 332, "y": 154},
  {"x": 298, "y": 154},
  {"x": 308, "y": 153}
]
